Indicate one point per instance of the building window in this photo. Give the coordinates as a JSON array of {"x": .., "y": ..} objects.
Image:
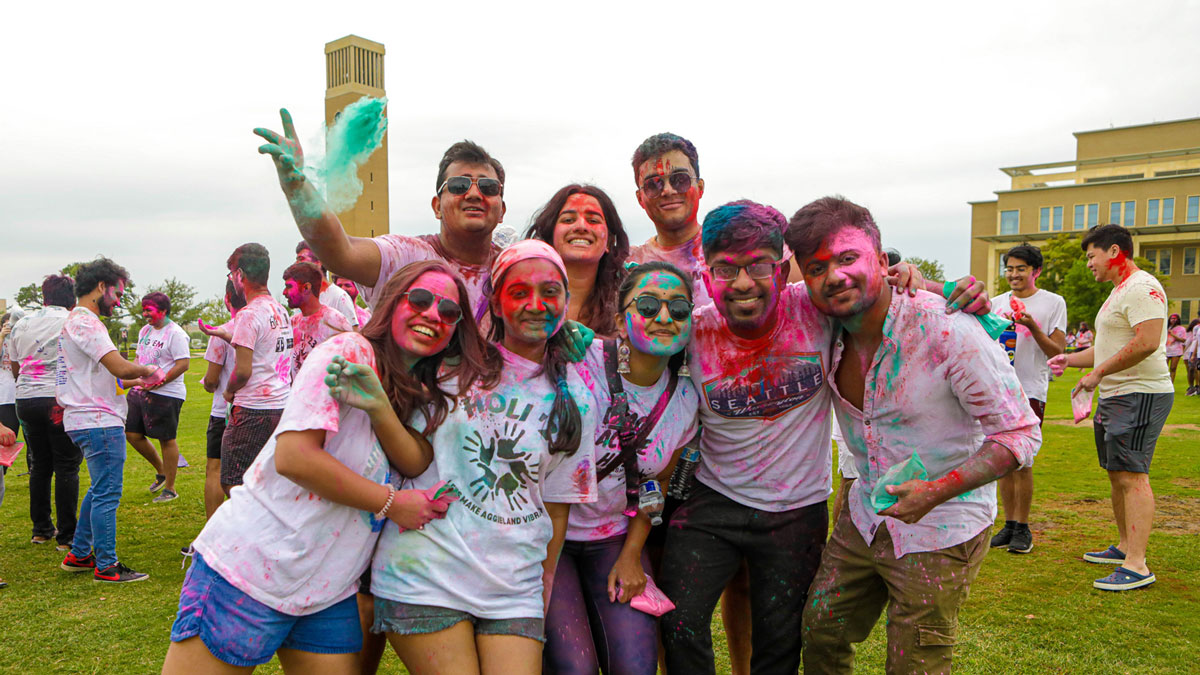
[
  {"x": 1160, "y": 259},
  {"x": 1168, "y": 211},
  {"x": 1086, "y": 216},
  {"x": 1193, "y": 209},
  {"x": 1122, "y": 213},
  {"x": 1130, "y": 218},
  {"x": 1010, "y": 222},
  {"x": 1151, "y": 211},
  {"x": 1189, "y": 260},
  {"x": 1165, "y": 207},
  {"x": 1051, "y": 219},
  {"x": 1114, "y": 213}
]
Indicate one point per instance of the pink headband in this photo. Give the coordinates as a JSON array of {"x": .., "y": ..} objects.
[{"x": 526, "y": 249}]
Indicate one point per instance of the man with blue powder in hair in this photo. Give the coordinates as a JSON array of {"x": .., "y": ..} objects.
[{"x": 932, "y": 414}]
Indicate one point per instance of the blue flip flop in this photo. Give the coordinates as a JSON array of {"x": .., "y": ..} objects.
[{"x": 1124, "y": 580}]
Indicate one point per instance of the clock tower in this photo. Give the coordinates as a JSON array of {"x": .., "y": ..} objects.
[{"x": 353, "y": 69}]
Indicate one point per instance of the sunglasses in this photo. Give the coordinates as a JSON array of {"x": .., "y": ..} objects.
[
  {"x": 758, "y": 270},
  {"x": 421, "y": 299},
  {"x": 681, "y": 182},
  {"x": 649, "y": 306},
  {"x": 461, "y": 185}
]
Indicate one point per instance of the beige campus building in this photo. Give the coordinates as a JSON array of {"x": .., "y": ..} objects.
[
  {"x": 1144, "y": 177},
  {"x": 353, "y": 69}
]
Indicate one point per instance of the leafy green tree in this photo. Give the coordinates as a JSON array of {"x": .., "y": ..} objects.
[
  {"x": 213, "y": 312},
  {"x": 932, "y": 270}
]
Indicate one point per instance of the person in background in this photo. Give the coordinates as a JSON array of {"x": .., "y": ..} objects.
[
  {"x": 94, "y": 416},
  {"x": 8, "y": 383},
  {"x": 315, "y": 322},
  {"x": 1190, "y": 360},
  {"x": 1129, "y": 368},
  {"x": 1083, "y": 339},
  {"x": 1177, "y": 336},
  {"x": 331, "y": 295},
  {"x": 351, "y": 288},
  {"x": 1071, "y": 340},
  {"x": 1040, "y": 322},
  {"x": 154, "y": 410},
  {"x": 34, "y": 349}
]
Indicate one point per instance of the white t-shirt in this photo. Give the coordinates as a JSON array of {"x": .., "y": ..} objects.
[
  {"x": 33, "y": 344},
  {"x": 1049, "y": 310},
  {"x": 485, "y": 557},
  {"x": 688, "y": 257},
  {"x": 336, "y": 297},
  {"x": 221, "y": 353},
  {"x": 1139, "y": 298},
  {"x": 278, "y": 542},
  {"x": 8, "y": 385},
  {"x": 1189, "y": 350},
  {"x": 765, "y": 406},
  {"x": 1175, "y": 347},
  {"x": 264, "y": 327},
  {"x": 605, "y": 517},
  {"x": 162, "y": 347},
  {"x": 85, "y": 389},
  {"x": 396, "y": 251},
  {"x": 310, "y": 331}
]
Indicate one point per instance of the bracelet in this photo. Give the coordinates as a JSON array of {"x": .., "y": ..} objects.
[{"x": 382, "y": 514}]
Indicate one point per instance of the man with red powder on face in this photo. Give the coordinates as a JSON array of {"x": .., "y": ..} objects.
[
  {"x": 1136, "y": 393},
  {"x": 316, "y": 322},
  {"x": 364, "y": 314},
  {"x": 331, "y": 295},
  {"x": 905, "y": 376}
]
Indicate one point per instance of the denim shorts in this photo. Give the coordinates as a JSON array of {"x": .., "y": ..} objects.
[
  {"x": 242, "y": 631},
  {"x": 401, "y": 618}
]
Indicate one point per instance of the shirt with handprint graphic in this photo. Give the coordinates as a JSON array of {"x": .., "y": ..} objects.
[
  {"x": 280, "y": 543},
  {"x": 485, "y": 557},
  {"x": 606, "y": 517}
]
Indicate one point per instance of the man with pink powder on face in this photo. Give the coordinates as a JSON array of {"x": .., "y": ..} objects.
[
  {"x": 351, "y": 288},
  {"x": 316, "y": 322},
  {"x": 331, "y": 295},
  {"x": 905, "y": 376}
]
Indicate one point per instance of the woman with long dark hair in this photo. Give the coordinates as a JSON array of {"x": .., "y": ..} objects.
[
  {"x": 581, "y": 223},
  {"x": 276, "y": 568},
  {"x": 468, "y": 592},
  {"x": 649, "y": 413},
  {"x": 1177, "y": 336}
]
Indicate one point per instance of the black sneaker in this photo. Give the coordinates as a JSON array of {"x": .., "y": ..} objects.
[
  {"x": 165, "y": 496},
  {"x": 85, "y": 564},
  {"x": 1022, "y": 541},
  {"x": 159, "y": 480},
  {"x": 118, "y": 574},
  {"x": 1002, "y": 538},
  {"x": 187, "y": 551}
]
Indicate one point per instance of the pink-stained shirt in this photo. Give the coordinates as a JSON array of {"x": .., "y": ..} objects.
[
  {"x": 764, "y": 406},
  {"x": 364, "y": 315},
  {"x": 33, "y": 344},
  {"x": 310, "y": 331},
  {"x": 265, "y": 328},
  {"x": 336, "y": 297},
  {"x": 939, "y": 387},
  {"x": 396, "y": 251},
  {"x": 84, "y": 387},
  {"x": 688, "y": 257},
  {"x": 221, "y": 353},
  {"x": 1180, "y": 335}
]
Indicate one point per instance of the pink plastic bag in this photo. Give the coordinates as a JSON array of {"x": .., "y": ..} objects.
[
  {"x": 8, "y": 453},
  {"x": 652, "y": 600},
  {"x": 1081, "y": 404}
]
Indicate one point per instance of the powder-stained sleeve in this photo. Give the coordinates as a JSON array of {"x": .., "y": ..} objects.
[
  {"x": 988, "y": 389},
  {"x": 395, "y": 251},
  {"x": 311, "y": 406},
  {"x": 91, "y": 337},
  {"x": 180, "y": 347},
  {"x": 1143, "y": 301}
]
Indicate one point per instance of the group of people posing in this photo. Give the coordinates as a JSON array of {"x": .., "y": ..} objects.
[{"x": 473, "y": 475}]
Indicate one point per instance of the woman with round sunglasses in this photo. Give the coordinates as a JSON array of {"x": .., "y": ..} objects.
[
  {"x": 276, "y": 568},
  {"x": 581, "y": 223},
  {"x": 649, "y": 413},
  {"x": 467, "y": 593}
]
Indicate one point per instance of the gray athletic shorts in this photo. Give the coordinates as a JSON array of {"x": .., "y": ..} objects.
[
  {"x": 1127, "y": 427},
  {"x": 402, "y": 618}
]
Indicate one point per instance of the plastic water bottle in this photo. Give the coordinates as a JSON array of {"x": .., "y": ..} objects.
[
  {"x": 680, "y": 486},
  {"x": 504, "y": 236},
  {"x": 651, "y": 501}
]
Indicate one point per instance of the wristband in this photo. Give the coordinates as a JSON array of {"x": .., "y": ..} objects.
[{"x": 382, "y": 514}]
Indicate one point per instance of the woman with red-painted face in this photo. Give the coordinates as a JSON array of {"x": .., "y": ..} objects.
[
  {"x": 468, "y": 593},
  {"x": 581, "y": 223},
  {"x": 276, "y": 568},
  {"x": 649, "y": 411}
]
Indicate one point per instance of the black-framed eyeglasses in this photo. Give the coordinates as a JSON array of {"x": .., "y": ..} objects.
[
  {"x": 649, "y": 306},
  {"x": 461, "y": 185},
  {"x": 421, "y": 299},
  {"x": 756, "y": 270},
  {"x": 681, "y": 182}
]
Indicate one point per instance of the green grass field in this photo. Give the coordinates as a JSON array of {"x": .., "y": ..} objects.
[{"x": 1035, "y": 613}]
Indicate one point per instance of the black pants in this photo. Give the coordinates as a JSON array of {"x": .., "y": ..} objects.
[
  {"x": 707, "y": 540},
  {"x": 53, "y": 454}
]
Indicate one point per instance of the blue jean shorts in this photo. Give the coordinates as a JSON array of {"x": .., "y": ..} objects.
[{"x": 242, "y": 631}]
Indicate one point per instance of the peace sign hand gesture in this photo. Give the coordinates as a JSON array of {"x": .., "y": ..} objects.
[{"x": 286, "y": 151}]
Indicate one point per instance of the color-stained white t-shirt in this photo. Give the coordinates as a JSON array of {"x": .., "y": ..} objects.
[
  {"x": 396, "y": 251},
  {"x": 33, "y": 344},
  {"x": 85, "y": 389},
  {"x": 162, "y": 347},
  {"x": 336, "y": 297},
  {"x": 265, "y": 328},
  {"x": 282, "y": 544},
  {"x": 765, "y": 406},
  {"x": 1139, "y": 298},
  {"x": 310, "y": 331},
  {"x": 1175, "y": 347},
  {"x": 8, "y": 385},
  {"x": 485, "y": 557},
  {"x": 221, "y": 353},
  {"x": 688, "y": 257},
  {"x": 1049, "y": 310},
  {"x": 605, "y": 517}
]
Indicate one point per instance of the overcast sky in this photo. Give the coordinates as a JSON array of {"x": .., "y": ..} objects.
[{"x": 126, "y": 129}]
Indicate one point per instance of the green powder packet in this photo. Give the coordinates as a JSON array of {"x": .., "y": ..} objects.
[
  {"x": 907, "y": 470},
  {"x": 992, "y": 323}
]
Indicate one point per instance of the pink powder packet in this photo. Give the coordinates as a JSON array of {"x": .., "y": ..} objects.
[
  {"x": 154, "y": 378},
  {"x": 8, "y": 453},
  {"x": 652, "y": 600},
  {"x": 442, "y": 492},
  {"x": 1081, "y": 404}
]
